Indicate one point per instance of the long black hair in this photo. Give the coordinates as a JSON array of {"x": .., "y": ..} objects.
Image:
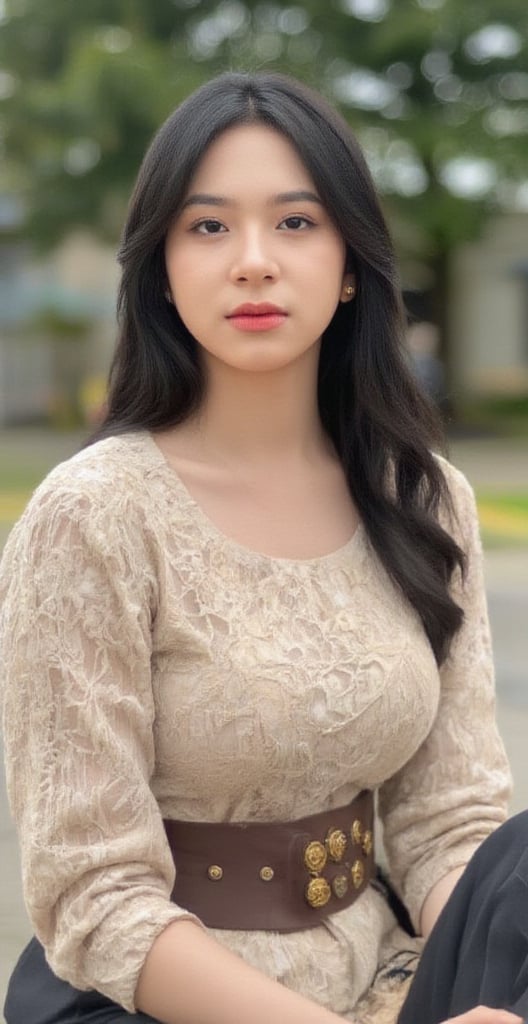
[{"x": 383, "y": 429}]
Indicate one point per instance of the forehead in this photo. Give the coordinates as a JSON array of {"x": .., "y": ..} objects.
[{"x": 252, "y": 156}]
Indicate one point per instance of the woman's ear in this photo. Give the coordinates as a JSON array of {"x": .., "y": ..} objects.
[{"x": 348, "y": 290}]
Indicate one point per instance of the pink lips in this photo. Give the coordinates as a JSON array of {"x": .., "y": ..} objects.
[{"x": 260, "y": 316}]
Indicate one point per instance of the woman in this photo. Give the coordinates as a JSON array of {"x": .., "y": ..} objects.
[{"x": 255, "y": 598}]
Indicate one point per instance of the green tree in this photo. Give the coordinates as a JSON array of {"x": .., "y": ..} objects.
[
  {"x": 436, "y": 89},
  {"x": 438, "y": 92}
]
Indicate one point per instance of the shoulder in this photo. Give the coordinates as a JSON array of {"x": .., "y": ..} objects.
[
  {"x": 99, "y": 490},
  {"x": 115, "y": 465},
  {"x": 458, "y": 509},
  {"x": 458, "y": 485},
  {"x": 109, "y": 473}
]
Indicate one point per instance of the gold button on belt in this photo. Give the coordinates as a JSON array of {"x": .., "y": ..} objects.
[
  {"x": 357, "y": 874},
  {"x": 336, "y": 843},
  {"x": 315, "y": 856},
  {"x": 318, "y": 892},
  {"x": 340, "y": 886},
  {"x": 367, "y": 842},
  {"x": 356, "y": 832}
]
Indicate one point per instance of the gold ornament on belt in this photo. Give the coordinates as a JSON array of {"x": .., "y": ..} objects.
[
  {"x": 315, "y": 856},
  {"x": 357, "y": 874},
  {"x": 340, "y": 886},
  {"x": 318, "y": 892},
  {"x": 356, "y": 832},
  {"x": 336, "y": 843},
  {"x": 367, "y": 842}
]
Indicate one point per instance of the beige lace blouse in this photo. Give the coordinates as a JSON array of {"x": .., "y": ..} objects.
[{"x": 152, "y": 667}]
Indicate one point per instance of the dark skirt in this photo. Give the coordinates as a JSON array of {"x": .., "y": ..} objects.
[{"x": 476, "y": 955}]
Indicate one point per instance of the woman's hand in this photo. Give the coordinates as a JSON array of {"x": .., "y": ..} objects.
[{"x": 486, "y": 1015}]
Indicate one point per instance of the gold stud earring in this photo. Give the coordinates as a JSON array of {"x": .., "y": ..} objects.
[{"x": 350, "y": 290}]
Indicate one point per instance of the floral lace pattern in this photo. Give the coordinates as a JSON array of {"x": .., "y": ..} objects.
[{"x": 152, "y": 667}]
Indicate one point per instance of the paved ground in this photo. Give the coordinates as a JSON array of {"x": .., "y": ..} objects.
[{"x": 490, "y": 465}]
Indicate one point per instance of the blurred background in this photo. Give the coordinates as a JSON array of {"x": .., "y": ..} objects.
[{"x": 437, "y": 92}]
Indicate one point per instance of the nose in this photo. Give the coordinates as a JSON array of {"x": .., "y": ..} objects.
[{"x": 254, "y": 261}]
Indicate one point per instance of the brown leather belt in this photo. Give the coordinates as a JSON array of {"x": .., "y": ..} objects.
[{"x": 273, "y": 876}]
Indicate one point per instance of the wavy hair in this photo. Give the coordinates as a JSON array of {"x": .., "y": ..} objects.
[{"x": 383, "y": 428}]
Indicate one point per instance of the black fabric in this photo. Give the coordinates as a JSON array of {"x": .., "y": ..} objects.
[
  {"x": 476, "y": 954},
  {"x": 398, "y": 908},
  {"x": 36, "y": 996}
]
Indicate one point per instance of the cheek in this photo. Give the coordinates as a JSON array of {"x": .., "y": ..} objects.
[
  {"x": 337, "y": 258},
  {"x": 175, "y": 268},
  {"x": 187, "y": 284},
  {"x": 328, "y": 262}
]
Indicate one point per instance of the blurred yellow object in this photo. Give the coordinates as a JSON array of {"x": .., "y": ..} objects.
[
  {"x": 510, "y": 523},
  {"x": 92, "y": 399},
  {"x": 12, "y": 505}
]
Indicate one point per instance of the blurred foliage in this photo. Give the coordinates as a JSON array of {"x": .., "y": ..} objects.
[
  {"x": 50, "y": 322},
  {"x": 85, "y": 85},
  {"x": 501, "y": 415},
  {"x": 437, "y": 91}
]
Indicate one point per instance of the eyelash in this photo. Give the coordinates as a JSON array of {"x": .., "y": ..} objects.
[
  {"x": 298, "y": 216},
  {"x": 202, "y": 223},
  {"x": 211, "y": 220}
]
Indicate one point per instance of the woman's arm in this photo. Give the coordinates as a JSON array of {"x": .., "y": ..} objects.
[
  {"x": 78, "y": 599},
  {"x": 189, "y": 978},
  {"x": 436, "y": 901},
  {"x": 453, "y": 793}
]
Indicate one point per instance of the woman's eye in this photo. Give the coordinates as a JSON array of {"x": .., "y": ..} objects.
[
  {"x": 296, "y": 223},
  {"x": 209, "y": 227}
]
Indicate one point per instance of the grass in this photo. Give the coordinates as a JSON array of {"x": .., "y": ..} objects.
[
  {"x": 514, "y": 503},
  {"x": 503, "y": 518}
]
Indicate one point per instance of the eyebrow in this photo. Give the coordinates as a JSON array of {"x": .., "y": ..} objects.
[{"x": 297, "y": 196}]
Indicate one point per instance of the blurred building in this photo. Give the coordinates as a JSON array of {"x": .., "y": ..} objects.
[
  {"x": 488, "y": 312},
  {"x": 57, "y": 323}
]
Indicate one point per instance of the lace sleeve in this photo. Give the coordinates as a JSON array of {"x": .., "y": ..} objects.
[
  {"x": 77, "y": 591},
  {"x": 453, "y": 793}
]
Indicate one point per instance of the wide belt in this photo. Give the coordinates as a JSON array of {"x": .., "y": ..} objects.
[{"x": 273, "y": 876}]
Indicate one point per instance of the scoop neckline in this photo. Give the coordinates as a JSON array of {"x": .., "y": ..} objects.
[{"x": 249, "y": 554}]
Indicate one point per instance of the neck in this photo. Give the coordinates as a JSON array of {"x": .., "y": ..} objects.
[{"x": 262, "y": 416}]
